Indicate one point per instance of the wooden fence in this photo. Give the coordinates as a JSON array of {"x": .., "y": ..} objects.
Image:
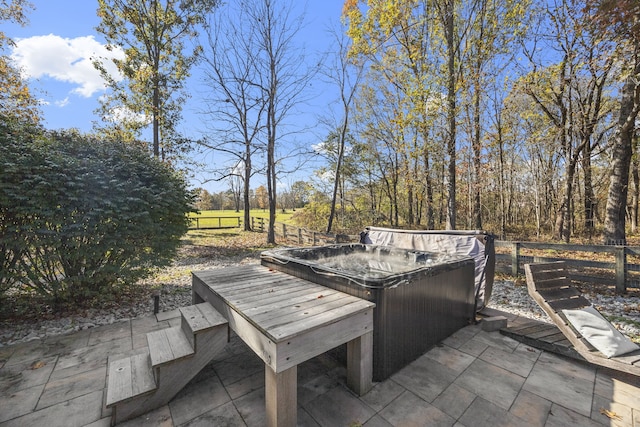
[
  {"x": 615, "y": 267},
  {"x": 210, "y": 222},
  {"x": 300, "y": 236}
]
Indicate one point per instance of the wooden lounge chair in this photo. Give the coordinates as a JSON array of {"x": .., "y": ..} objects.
[{"x": 550, "y": 286}]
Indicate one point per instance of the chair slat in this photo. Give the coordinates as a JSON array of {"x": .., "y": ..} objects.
[
  {"x": 559, "y": 293},
  {"x": 569, "y": 304}
]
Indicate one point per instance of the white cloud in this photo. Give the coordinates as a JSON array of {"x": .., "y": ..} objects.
[
  {"x": 62, "y": 103},
  {"x": 66, "y": 60},
  {"x": 124, "y": 115}
]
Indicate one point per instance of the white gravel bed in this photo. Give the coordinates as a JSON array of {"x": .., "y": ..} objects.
[{"x": 624, "y": 311}]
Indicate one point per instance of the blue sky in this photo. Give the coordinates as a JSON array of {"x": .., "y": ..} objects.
[{"x": 54, "y": 49}]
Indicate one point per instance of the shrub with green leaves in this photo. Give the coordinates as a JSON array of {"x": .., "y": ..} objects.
[{"x": 81, "y": 216}]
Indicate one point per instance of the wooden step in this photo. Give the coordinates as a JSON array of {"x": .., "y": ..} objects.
[
  {"x": 141, "y": 383},
  {"x": 198, "y": 319},
  {"x": 129, "y": 377},
  {"x": 168, "y": 345}
]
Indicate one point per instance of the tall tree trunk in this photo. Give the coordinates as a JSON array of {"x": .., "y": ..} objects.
[
  {"x": 614, "y": 225},
  {"x": 636, "y": 192},
  {"x": 247, "y": 188},
  {"x": 449, "y": 28},
  {"x": 589, "y": 195}
]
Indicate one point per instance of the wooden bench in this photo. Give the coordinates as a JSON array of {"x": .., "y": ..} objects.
[
  {"x": 286, "y": 320},
  {"x": 550, "y": 286}
]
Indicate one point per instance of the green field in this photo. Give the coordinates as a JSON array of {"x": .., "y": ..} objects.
[{"x": 229, "y": 218}]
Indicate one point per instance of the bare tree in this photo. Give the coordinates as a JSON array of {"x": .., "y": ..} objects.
[
  {"x": 282, "y": 77},
  {"x": 345, "y": 73},
  {"x": 236, "y": 103}
]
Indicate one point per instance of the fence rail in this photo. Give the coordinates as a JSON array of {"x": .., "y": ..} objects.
[
  {"x": 211, "y": 222},
  {"x": 618, "y": 271},
  {"x": 301, "y": 236}
]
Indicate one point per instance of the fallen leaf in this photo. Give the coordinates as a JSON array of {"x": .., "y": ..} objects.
[
  {"x": 37, "y": 365},
  {"x": 610, "y": 414},
  {"x": 320, "y": 296}
]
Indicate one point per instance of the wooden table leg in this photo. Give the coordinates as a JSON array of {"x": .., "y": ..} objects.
[
  {"x": 360, "y": 363},
  {"x": 281, "y": 397}
]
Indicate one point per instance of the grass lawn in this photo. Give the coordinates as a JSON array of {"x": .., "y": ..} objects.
[{"x": 284, "y": 217}]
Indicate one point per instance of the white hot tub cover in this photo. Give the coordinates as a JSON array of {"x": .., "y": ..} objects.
[{"x": 476, "y": 244}]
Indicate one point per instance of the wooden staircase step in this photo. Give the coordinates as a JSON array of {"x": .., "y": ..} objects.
[
  {"x": 129, "y": 377},
  {"x": 168, "y": 345},
  {"x": 199, "y": 318},
  {"x": 141, "y": 383}
]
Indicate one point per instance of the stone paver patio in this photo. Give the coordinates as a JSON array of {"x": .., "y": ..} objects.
[{"x": 474, "y": 378}]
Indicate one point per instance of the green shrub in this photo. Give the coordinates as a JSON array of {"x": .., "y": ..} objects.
[{"x": 82, "y": 216}]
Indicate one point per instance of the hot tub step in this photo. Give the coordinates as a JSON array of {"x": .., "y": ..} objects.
[{"x": 143, "y": 382}]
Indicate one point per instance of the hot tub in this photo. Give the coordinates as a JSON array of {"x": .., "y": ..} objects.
[{"x": 421, "y": 297}]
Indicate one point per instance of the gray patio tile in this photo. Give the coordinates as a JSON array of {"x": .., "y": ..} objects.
[
  {"x": 426, "y": 378},
  {"x": 482, "y": 413},
  {"x": 245, "y": 385},
  {"x": 527, "y": 352},
  {"x": 382, "y": 394},
  {"x": 196, "y": 399},
  {"x": 492, "y": 383},
  {"x": 606, "y": 412},
  {"x": 410, "y": 410},
  {"x": 176, "y": 321},
  {"x": 145, "y": 324},
  {"x": 511, "y": 361},
  {"x": 461, "y": 336},
  {"x": 5, "y": 353},
  {"x": 60, "y": 371},
  {"x": 562, "y": 382},
  {"x": 96, "y": 353},
  {"x": 115, "y": 331},
  {"x": 314, "y": 387},
  {"x": 496, "y": 339},
  {"x": 338, "y": 407},
  {"x": 27, "y": 352},
  {"x": 58, "y": 391},
  {"x": 473, "y": 347},
  {"x": 224, "y": 415},
  {"x": 70, "y": 341},
  {"x": 102, "y": 422},
  {"x": 26, "y": 375},
  {"x": 252, "y": 408},
  {"x": 567, "y": 367},
  {"x": 377, "y": 421},
  {"x": 304, "y": 419},
  {"x": 531, "y": 408},
  {"x": 19, "y": 403},
  {"x": 609, "y": 385},
  {"x": 563, "y": 417},
  {"x": 160, "y": 417},
  {"x": 241, "y": 366},
  {"x": 76, "y": 412},
  {"x": 447, "y": 356},
  {"x": 454, "y": 400},
  {"x": 167, "y": 315}
]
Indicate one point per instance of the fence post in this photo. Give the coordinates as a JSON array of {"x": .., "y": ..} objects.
[
  {"x": 620, "y": 253},
  {"x": 314, "y": 238},
  {"x": 515, "y": 256},
  {"x": 299, "y": 236}
]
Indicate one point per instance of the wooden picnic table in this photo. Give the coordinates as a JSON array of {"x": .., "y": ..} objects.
[{"x": 286, "y": 320}]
